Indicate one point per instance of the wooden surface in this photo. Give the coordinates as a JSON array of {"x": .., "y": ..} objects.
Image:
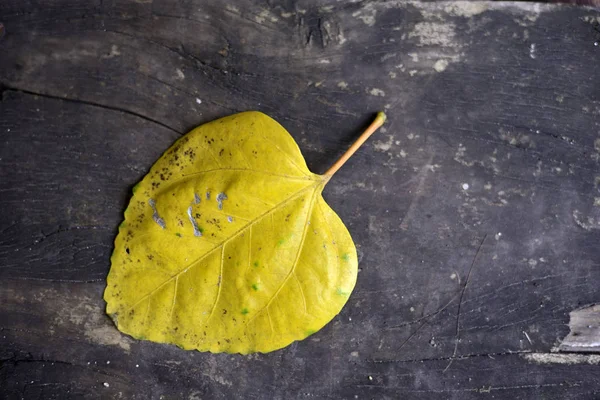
[{"x": 476, "y": 211}]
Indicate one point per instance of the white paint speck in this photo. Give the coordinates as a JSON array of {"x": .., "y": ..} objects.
[
  {"x": 106, "y": 384},
  {"x": 198, "y": 101},
  {"x": 402, "y": 154},
  {"x": 498, "y": 235},
  {"x": 180, "y": 74},
  {"x": 384, "y": 146},
  {"x": 435, "y": 34},
  {"x": 532, "y": 263},
  {"x": 465, "y": 186},
  {"x": 440, "y": 65},
  {"x": 532, "y": 50},
  {"x": 370, "y": 378},
  {"x": 114, "y": 51},
  {"x": 265, "y": 15},
  {"x": 108, "y": 362},
  {"x": 453, "y": 276},
  {"x": 377, "y": 92},
  {"x": 595, "y": 43},
  {"x": 324, "y": 61},
  {"x": 366, "y": 15},
  {"x": 412, "y": 309},
  {"x": 137, "y": 365},
  {"x": 354, "y": 354},
  {"x": 465, "y": 8}
]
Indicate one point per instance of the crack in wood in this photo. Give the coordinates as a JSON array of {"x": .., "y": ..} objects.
[
  {"x": 460, "y": 301},
  {"x": 5, "y": 88}
]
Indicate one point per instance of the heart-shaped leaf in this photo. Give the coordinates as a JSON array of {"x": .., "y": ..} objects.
[{"x": 227, "y": 244}]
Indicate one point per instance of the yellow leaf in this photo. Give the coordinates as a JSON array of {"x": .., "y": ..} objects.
[{"x": 228, "y": 246}]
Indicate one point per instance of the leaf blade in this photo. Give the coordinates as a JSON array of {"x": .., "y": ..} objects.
[{"x": 259, "y": 256}]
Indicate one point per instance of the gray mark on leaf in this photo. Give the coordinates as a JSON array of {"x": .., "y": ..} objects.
[
  {"x": 207, "y": 195},
  {"x": 220, "y": 197},
  {"x": 230, "y": 218},
  {"x": 196, "y": 198},
  {"x": 155, "y": 216},
  {"x": 197, "y": 232}
]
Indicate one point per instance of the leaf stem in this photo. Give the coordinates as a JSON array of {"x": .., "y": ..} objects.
[{"x": 379, "y": 120}]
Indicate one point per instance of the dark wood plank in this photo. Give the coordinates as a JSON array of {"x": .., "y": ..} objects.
[{"x": 476, "y": 210}]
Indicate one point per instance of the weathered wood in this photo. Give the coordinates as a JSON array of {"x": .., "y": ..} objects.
[
  {"x": 585, "y": 331},
  {"x": 476, "y": 210}
]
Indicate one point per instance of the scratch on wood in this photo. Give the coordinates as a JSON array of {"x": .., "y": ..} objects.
[
  {"x": 461, "y": 357},
  {"x": 460, "y": 301},
  {"x": 422, "y": 176}
]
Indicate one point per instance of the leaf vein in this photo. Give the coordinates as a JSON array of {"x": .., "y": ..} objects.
[
  {"x": 290, "y": 159},
  {"x": 302, "y": 293},
  {"x": 174, "y": 298},
  {"x": 293, "y": 269},
  {"x": 205, "y": 255},
  {"x": 220, "y": 283}
]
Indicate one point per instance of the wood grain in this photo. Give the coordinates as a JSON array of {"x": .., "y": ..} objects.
[{"x": 493, "y": 132}]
